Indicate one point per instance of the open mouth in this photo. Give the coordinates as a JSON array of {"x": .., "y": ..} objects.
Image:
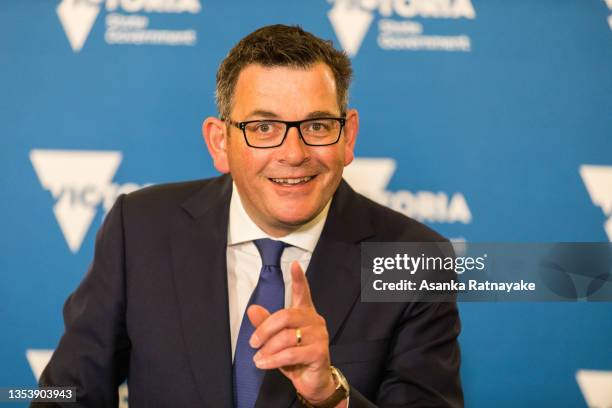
[{"x": 292, "y": 181}]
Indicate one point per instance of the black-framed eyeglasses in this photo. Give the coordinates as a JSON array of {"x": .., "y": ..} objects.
[{"x": 266, "y": 133}]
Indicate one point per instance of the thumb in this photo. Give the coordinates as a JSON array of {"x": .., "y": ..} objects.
[
  {"x": 257, "y": 314},
  {"x": 300, "y": 290}
]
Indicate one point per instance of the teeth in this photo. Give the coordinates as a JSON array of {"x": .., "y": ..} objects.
[{"x": 291, "y": 180}]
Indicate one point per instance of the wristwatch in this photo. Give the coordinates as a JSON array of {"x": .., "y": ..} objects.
[{"x": 341, "y": 392}]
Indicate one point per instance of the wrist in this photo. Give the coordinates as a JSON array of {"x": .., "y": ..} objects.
[
  {"x": 337, "y": 398},
  {"x": 324, "y": 393}
]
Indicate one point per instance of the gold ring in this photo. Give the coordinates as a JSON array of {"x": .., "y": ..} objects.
[{"x": 298, "y": 336}]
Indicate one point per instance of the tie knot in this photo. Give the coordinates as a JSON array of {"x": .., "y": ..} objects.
[{"x": 270, "y": 251}]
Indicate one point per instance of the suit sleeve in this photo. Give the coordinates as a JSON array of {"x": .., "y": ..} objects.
[{"x": 93, "y": 352}]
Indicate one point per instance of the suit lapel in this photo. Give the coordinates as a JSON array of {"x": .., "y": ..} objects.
[
  {"x": 200, "y": 275},
  {"x": 334, "y": 278},
  {"x": 334, "y": 272}
]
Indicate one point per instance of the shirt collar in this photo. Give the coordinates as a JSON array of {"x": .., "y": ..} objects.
[{"x": 243, "y": 229}]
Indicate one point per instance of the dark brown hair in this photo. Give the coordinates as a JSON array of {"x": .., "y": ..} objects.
[{"x": 281, "y": 45}]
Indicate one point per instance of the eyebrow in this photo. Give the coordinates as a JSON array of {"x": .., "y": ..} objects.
[
  {"x": 320, "y": 114},
  {"x": 262, "y": 113},
  {"x": 271, "y": 115}
]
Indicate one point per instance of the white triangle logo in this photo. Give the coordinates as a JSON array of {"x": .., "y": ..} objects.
[
  {"x": 350, "y": 23},
  {"x": 77, "y": 18},
  {"x": 596, "y": 387},
  {"x": 77, "y": 180},
  {"x": 38, "y": 360},
  {"x": 370, "y": 176},
  {"x": 598, "y": 181}
]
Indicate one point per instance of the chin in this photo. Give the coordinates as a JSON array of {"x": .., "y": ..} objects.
[{"x": 295, "y": 219}]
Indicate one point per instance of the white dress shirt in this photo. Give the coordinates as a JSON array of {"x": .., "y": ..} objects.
[{"x": 244, "y": 261}]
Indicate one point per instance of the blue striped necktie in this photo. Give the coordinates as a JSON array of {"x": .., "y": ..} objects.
[{"x": 269, "y": 293}]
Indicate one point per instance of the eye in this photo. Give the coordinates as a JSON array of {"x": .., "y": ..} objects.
[
  {"x": 263, "y": 127},
  {"x": 318, "y": 126}
]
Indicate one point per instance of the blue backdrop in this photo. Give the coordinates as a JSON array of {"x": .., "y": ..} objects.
[{"x": 491, "y": 121}]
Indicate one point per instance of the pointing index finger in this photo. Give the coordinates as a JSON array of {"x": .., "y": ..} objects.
[{"x": 300, "y": 290}]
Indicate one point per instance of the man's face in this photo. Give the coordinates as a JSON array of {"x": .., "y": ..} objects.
[{"x": 287, "y": 94}]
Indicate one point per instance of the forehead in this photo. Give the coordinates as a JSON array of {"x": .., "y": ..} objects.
[{"x": 288, "y": 92}]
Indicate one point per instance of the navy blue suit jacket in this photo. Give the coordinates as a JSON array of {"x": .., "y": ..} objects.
[{"x": 153, "y": 308}]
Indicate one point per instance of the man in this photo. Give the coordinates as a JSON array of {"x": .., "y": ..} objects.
[{"x": 197, "y": 292}]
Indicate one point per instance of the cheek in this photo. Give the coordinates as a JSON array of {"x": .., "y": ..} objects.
[
  {"x": 246, "y": 168},
  {"x": 241, "y": 160},
  {"x": 333, "y": 160}
]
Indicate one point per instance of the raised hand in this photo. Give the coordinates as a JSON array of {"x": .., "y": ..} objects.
[{"x": 295, "y": 340}]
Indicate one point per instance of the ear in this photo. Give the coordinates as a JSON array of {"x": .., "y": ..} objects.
[
  {"x": 351, "y": 128},
  {"x": 213, "y": 130}
]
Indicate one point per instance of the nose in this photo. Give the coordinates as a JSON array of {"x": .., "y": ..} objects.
[{"x": 293, "y": 151}]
